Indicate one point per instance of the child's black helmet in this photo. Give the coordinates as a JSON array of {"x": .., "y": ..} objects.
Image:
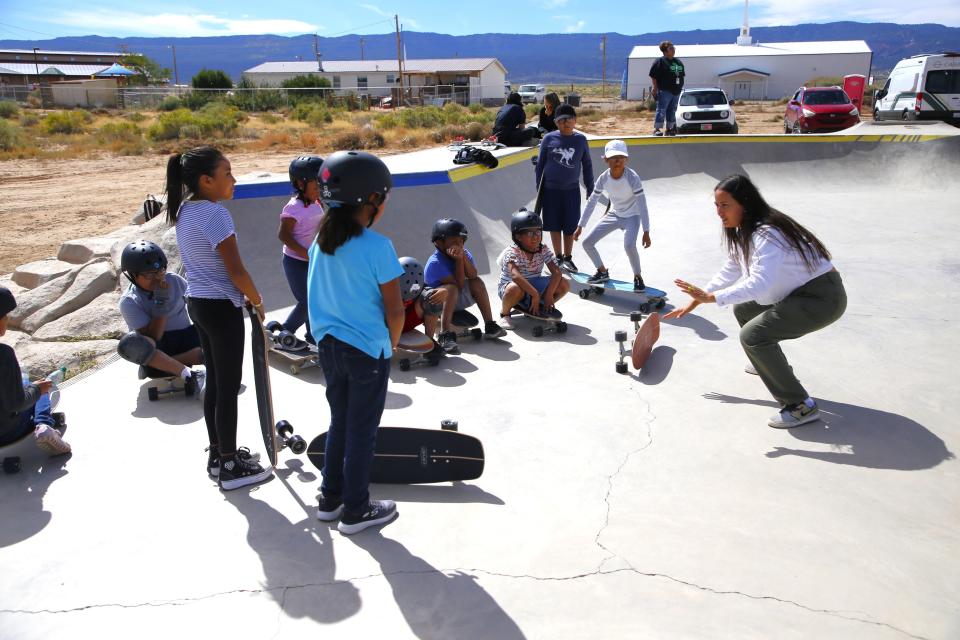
[
  {"x": 351, "y": 177},
  {"x": 524, "y": 219},
  {"x": 448, "y": 228},
  {"x": 141, "y": 256},
  {"x": 305, "y": 168}
]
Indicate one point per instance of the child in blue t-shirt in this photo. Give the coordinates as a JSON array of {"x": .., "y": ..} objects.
[
  {"x": 564, "y": 156},
  {"x": 452, "y": 267},
  {"x": 356, "y": 315}
]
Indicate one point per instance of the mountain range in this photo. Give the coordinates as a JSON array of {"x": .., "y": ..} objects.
[{"x": 553, "y": 58}]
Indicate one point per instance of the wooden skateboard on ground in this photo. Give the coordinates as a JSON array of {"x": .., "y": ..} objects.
[
  {"x": 650, "y": 298},
  {"x": 419, "y": 343},
  {"x": 276, "y": 435},
  {"x": 414, "y": 456},
  {"x": 465, "y": 324},
  {"x": 646, "y": 334},
  {"x": 300, "y": 354},
  {"x": 552, "y": 322}
]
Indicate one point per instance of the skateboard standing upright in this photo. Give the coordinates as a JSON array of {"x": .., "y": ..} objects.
[
  {"x": 650, "y": 298},
  {"x": 276, "y": 435},
  {"x": 646, "y": 334}
]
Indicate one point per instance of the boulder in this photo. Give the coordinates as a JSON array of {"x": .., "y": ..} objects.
[
  {"x": 83, "y": 250},
  {"x": 94, "y": 279},
  {"x": 14, "y": 338},
  {"x": 15, "y": 289},
  {"x": 40, "y": 358},
  {"x": 168, "y": 242},
  {"x": 99, "y": 320},
  {"x": 152, "y": 231},
  {"x": 34, "y": 274},
  {"x": 33, "y": 300}
]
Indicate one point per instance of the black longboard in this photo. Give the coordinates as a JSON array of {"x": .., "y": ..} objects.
[{"x": 414, "y": 456}]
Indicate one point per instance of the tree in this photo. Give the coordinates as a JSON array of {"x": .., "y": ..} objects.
[
  {"x": 150, "y": 70},
  {"x": 211, "y": 79},
  {"x": 306, "y": 86}
]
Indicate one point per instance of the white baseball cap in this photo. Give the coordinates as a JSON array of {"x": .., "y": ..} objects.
[{"x": 616, "y": 148}]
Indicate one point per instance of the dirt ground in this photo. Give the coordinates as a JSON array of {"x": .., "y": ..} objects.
[{"x": 46, "y": 202}]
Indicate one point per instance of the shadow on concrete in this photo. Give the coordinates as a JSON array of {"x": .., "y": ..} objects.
[
  {"x": 21, "y": 496},
  {"x": 174, "y": 409},
  {"x": 657, "y": 367},
  {"x": 397, "y": 400},
  {"x": 860, "y": 436},
  {"x": 498, "y": 350},
  {"x": 452, "y": 493},
  {"x": 703, "y": 327},
  {"x": 435, "y": 604},
  {"x": 298, "y": 563},
  {"x": 575, "y": 334},
  {"x": 443, "y": 375}
]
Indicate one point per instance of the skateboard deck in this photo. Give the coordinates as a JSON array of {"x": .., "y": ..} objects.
[
  {"x": 465, "y": 324},
  {"x": 650, "y": 297},
  {"x": 417, "y": 342},
  {"x": 647, "y": 335},
  {"x": 281, "y": 342},
  {"x": 416, "y": 456},
  {"x": 554, "y": 322}
]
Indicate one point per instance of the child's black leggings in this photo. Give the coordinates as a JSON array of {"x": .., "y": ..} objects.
[{"x": 220, "y": 325}]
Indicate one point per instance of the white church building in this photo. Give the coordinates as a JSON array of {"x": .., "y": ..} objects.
[{"x": 751, "y": 70}]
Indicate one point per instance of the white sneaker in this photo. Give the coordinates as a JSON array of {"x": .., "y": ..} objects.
[
  {"x": 505, "y": 322},
  {"x": 49, "y": 440},
  {"x": 795, "y": 415}
]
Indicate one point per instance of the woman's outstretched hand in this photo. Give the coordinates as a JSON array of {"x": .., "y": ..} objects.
[{"x": 699, "y": 297}]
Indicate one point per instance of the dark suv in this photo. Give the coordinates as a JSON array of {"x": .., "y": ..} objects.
[{"x": 819, "y": 110}]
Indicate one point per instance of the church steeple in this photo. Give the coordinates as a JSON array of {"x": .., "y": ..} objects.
[{"x": 744, "y": 38}]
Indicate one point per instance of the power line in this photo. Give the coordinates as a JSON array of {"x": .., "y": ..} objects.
[
  {"x": 355, "y": 29},
  {"x": 41, "y": 33}
]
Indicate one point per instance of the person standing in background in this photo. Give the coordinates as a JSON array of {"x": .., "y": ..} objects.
[{"x": 666, "y": 75}]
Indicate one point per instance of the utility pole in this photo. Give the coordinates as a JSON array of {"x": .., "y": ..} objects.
[
  {"x": 396, "y": 20},
  {"x": 176, "y": 74},
  {"x": 603, "y": 77},
  {"x": 36, "y": 65},
  {"x": 361, "y": 48},
  {"x": 316, "y": 51}
]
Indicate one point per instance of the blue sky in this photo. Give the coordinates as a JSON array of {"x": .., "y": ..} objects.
[{"x": 21, "y": 19}]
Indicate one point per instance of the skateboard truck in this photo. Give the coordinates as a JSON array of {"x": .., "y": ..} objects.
[
  {"x": 464, "y": 324},
  {"x": 621, "y": 337},
  {"x": 430, "y": 358},
  {"x": 286, "y": 439},
  {"x": 449, "y": 425},
  {"x": 169, "y": 385}
]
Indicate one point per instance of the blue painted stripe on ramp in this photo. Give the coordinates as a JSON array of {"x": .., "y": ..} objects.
[{"x": 282, "y": 187}]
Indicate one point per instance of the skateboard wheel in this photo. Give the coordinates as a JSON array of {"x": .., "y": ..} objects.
[
  {"x": 476, "y": 333},
  {"x": 189, "y": 386},
  {"x": 294, "y": 369},
  {"x": 561, "y": 327},
  {"x": 636, "y": 316},
  {"x": 11, "y": 465},
  {"x": 405, "y": 364},
  {"x": 434, "y": 360},
  {"x": 621, "y": 367},
  {"x": 645, "y": 307},
  {"x": 620, "y": 336},
  {"x": 584, "y": 294},
  {"x": 449, "y": 425},
  {"x": 661, "y": 304},
  {"x": 297, "y": 444},
  {"x": 153, "y": 394},
  {"x": 288, "y": 340},
  {"x": 537, "y": 332},
  {"x": 273, "y": 326},
  {"x": 284, "y": 428},
  {"x": 599, "y": 291}
]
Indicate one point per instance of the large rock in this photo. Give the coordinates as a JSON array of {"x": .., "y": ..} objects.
[
  {"x": 168, "y": 242},
  {"x": 93, "y": 280},
  {"x": 14, "y": 338},
  {"x": 152, "y": 231},
  {"x": 31, "y": 301},
  {"x": 15, "y": 289},
  {"x": 83, "y": 250},
  {"x": 40, "y": 358},
  {"x": 34, "y": 274},
  {"x": 99, "y": 320}
]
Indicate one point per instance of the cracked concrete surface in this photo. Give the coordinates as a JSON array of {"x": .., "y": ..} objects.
[{"x": 651, "y": 505}]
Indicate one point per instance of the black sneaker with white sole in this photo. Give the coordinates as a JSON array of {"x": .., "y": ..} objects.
[
  {"x": 638, "y": 284},
  {"x": 493, "y": 330},
  {"x": 213, "y": 459},
  {"x": 377, "y": 512},
  {"x": 448, "y": 342},
  {"x": 599, "y": 277},
  {"x": 329, "y": 508},
  {"x": 241, "y": 471}
]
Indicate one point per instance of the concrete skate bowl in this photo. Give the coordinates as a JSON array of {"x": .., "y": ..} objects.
[{"x": 792, "y": 171}]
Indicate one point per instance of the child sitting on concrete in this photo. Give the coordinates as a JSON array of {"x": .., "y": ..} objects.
[
  {"x": 452, "y": 267},
  {"x": 421, "y": 305},
  {"x": 24, "y": 407},
  {"x": 522, "y": 283}
]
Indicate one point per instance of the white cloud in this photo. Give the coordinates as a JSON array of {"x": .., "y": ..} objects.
[
  {"x": 406, "y": 22},
  {"x": 697, "y": 6},
  {"x": 576, "y": 27},
  {"x": 789, "y": 12},
  {"x": 174, "y": 24},
  {"x": 552, "y": 4}
]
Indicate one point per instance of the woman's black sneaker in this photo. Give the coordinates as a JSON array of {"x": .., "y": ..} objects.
[
  {"x": 638, "y": 283},
  {"x": 493, "y": 330},
  {"x": 241, "y": 471},
  {"x": 377, "y": 512},
  {"x": 213, "y": 459},
  {"x": 598, "y": 277},
  {"x": 329, "y": 508}
]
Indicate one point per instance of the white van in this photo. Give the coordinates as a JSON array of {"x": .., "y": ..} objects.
[
  {"x": 923, "y": 87},
  {"x": 532, "y": 93}
]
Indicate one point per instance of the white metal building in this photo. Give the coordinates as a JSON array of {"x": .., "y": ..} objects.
[
  {"x": 753, "y": 71},
  {"x": 477, "y": 79}
]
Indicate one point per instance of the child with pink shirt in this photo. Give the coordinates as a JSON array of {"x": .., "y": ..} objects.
[{"x": 299, "y": 221}]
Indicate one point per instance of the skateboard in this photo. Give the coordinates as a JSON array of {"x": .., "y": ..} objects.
[
  {"x": 276, "y": 435},
  {"x": 465, "y": 324},
  {"x": 551, "y": 323},
  {"x": 12, "y": 454},
  {"x": 487, "y": 143},
  {"x": 168, "y": 385},
  {"x": 299, "y": 353},
  {"x": 417, "y": 342},
  {"x": 646, "y": 334},
  {"x": 415, "y": 456},
  {"x": 650, "y": 298}
]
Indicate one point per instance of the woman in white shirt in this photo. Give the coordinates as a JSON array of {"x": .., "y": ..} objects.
[{"x": 782, "y": 285}]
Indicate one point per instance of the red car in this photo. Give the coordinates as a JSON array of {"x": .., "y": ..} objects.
[{"x": 819, "y": 110}]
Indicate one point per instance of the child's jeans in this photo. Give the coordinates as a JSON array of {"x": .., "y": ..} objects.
[
  {"x": 357, "y": 393},
  {"x": 28, "y": 421},
  {"x": 609, "y": 222},
  {"x": 296, "y": 272}
]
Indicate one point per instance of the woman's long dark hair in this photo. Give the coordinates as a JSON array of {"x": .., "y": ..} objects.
[
  {"x": 183, "y": 176},
  {"x": 757, "y": 212},
  {"x": 338, "y": 225}
]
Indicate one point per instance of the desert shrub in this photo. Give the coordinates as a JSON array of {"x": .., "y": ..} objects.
[
  {"x": 29, "y": 120},
  {"x": 135, "y": 116},
  {"x": 312, "y": 112},
  {"x": 169, "y": 125},
  {"x": 170, "y": 103},
  {"x": 8, "y": 109},
  {"x": 532, "y": 110},
  {"x": 9, "y": 135},
  {"x": 191, "y": 132},
  {"x": 269, "y": 118},
  {"x": 250, "y": 97},
  {"x": 223, "y": 112},
  {"x": 422, "y": 117},
  {"x": 306, "y": 87},
  {"x": 196, "y": 100},
  {"x": 34, "y": 99},
  {"x": 477, "y": 131},
  {"x": 449, "y": 132},
  {"x": 73, "y": 121},
  {"x": 347, "y": 140},
  {"x": 217, "y": 118},
  {"x": 370, "y": 138},
  {"x": 211, "y": 79},
  {"x": 125, "y": 131},
  {"x": 388, "y": 121},
  {"x": 476, "y": 107}
]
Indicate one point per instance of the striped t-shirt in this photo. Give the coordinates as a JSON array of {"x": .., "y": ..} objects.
[
  {"x": 201, "y": 226},
  {"x": 529, "y": 265}
]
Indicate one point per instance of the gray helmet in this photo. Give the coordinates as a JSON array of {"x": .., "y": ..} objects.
[
  {"x": 305, "y": 168},
  {"x": 411, "y": 282},
  {"x": 524, "y": 219},
  {"x": 448, "y": 228},
  {"x": 141, "y": 256},
  {"x": 351, "y": 177}
]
